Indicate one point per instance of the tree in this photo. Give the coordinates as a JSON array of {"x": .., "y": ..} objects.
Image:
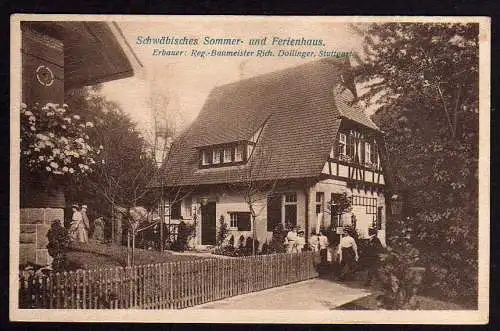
[
  {"x": 424, "y": 78},
  {"x": 256, "y": 190},
  {"x": 126, "y": 166}
]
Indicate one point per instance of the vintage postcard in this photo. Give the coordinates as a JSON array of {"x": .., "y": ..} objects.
[{"x": 250, "y": 169}]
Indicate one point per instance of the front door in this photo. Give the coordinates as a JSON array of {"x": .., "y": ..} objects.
[{"x": 208, "y": 224}]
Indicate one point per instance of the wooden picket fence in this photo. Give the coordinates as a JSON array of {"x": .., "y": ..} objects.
[{"x": 173, "y": 285}]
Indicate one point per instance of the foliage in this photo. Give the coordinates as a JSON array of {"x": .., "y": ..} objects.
[
  {"x": 226, "y": 249},
  {"x": 399, "y": 278},
  {"x": 277, "y": 243},
  {"x": 125, "y": 167},
  {"x": 58, "y": 245},
  {"x": 425, "y": 78},
  {"x": 184, "y": 232},
  {"x": 341, "y": 204},
  {"x": 55, "y": 143},
  {"x": 223, "y": 231}
]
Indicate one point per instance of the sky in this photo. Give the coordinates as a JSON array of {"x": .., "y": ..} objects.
[{"x": 182, "y": 83}]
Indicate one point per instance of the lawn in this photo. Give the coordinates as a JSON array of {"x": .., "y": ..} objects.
[{"x": 95, "y": 255}]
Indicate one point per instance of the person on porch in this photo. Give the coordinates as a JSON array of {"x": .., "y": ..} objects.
[{"x": 77, "y": 228}]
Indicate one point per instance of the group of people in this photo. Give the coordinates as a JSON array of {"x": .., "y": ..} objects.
[
  {"x": 347, "y": 253},
  {"x": 295, "y": 240}
]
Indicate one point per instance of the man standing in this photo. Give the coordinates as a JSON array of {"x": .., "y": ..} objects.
[
  {"x": 323, "y": 246},
  {"x": 373, "y": 249}
]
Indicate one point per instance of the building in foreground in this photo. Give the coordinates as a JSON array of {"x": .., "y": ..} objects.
[{"x": 291, "y": 143}]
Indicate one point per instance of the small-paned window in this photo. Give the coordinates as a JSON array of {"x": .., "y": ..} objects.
[
  {"x": 241, "y": 221},
  {"x": 320, "y": 198},
  {"x": 216, "y": 156},
  {"x": 342, "y": 144},
  {"x": 368, "y": 152},
  {"x": 238, "y": 153},
  {"x": 227, "y": 155},
  {"x": 205, "y": 158}
]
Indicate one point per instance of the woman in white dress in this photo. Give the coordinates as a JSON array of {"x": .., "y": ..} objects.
[
  {"x": 77, "y": 228},
  {"x": 348, "y": 255}
]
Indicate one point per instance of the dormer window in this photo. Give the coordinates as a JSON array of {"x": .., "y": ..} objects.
[
  {"x": 216, "y": 156},
  {"x": 238, "y": 153},
  {"x": 223, "y": 155},
  {"x": 227, "y": 155},
  {"x": 342, "y": 144},
  {"x": 205, "y": 158}
]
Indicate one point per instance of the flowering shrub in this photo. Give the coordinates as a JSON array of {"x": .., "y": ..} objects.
[{"x": 55, "y": 142}]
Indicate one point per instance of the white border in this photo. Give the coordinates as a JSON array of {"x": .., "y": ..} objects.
[{"x": 479, "y": 316}]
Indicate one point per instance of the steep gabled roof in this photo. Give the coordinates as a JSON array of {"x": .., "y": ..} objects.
[{"x": 301, "y": 120}]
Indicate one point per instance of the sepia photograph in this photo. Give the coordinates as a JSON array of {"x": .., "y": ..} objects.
[{"x": 250, "y": 169}]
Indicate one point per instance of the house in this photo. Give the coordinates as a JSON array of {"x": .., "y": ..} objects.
[
  {"x": 295, "y": 140},
  {"x": 58, "y": 56}
]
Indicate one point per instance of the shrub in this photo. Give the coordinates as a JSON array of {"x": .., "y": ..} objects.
[
  {"x": 181, "y": 243},
  {"x": 400, "y": 277},
  {"x": 223, "y": 231},
  {"x": 58, "y": 245},
  {"x": 226, "y": 249},
  {"x": 277, "y": 243}
]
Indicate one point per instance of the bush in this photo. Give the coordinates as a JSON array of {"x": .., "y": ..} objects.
[
  {"x": 226, "y": 249},
  {"x": 184, "y": 232},
  {"x": 58, "y": 245},
  {"x": 400, "y": 276},
  {"x": 223, "y": 231},
  {"x": 277, "y": 243}
]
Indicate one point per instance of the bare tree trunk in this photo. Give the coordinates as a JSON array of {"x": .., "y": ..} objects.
[
  {"x": 133, "y": 247},
  {"x": 254, "y": 234},
  {"x": 129, "y": 263}
]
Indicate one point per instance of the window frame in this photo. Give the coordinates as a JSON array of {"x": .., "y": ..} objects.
[
  {"x": 342, "y": 144},
  {"x": 241, "y": 152},
  {"x": 224, "y": 159},
  {"x": 234, "y": 220},
  {"x": 205, "y": 157},
  {"x": 214, "y": 151}
]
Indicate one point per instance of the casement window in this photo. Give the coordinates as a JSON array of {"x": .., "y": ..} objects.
[
  {"x": 240, "y": 221},
  {"x": 238, "y": 153},
  {"x": 342, "y": 144},
  {"x": 281, "y": 208},
  {"x": 227, "y": 155},
  {"x": 320, "y": 202},
  {"x": 290, "y": 206},
  {"x": 188, "y": 205},
  {"x": 216, "y": 156},
  {"x": 368, "y": 153},
  {"x": 205, "y": 158},
  {"x": 369, "y": 203}
]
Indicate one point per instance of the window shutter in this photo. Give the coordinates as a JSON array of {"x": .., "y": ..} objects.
[{"x": 244, "y": 222}]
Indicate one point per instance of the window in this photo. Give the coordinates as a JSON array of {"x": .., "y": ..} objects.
[
  {"x": 216, "y": 156},
  {"x": 175, "y": 211},
  {"x": 368, "y": 153},
  {"x": 320, "y": 198},
  {"x": 205, "y": 158},
  {"x": 369, "y": 203},
  {"x": 240, "y": 221},
  {"x": 188, "y": 205},
  {"x": 227, "y": 155},
  {"x": 238, "y": 154},
  {"x": 273, "y": 211},
  {"x": 379, "y": 218},
  {"x": 291, "y": 209},
  {"x": 342, "y": 144},
  {"x": 291, "y": 197}
]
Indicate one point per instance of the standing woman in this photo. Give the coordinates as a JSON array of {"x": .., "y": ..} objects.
[
  {"x": 348, "y": 255},
  {"x": 76, "y": 220},
  {"x": 84, "y": 230}
]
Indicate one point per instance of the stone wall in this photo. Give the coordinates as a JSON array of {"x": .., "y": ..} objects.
[{"x": 34, "y": 225}]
